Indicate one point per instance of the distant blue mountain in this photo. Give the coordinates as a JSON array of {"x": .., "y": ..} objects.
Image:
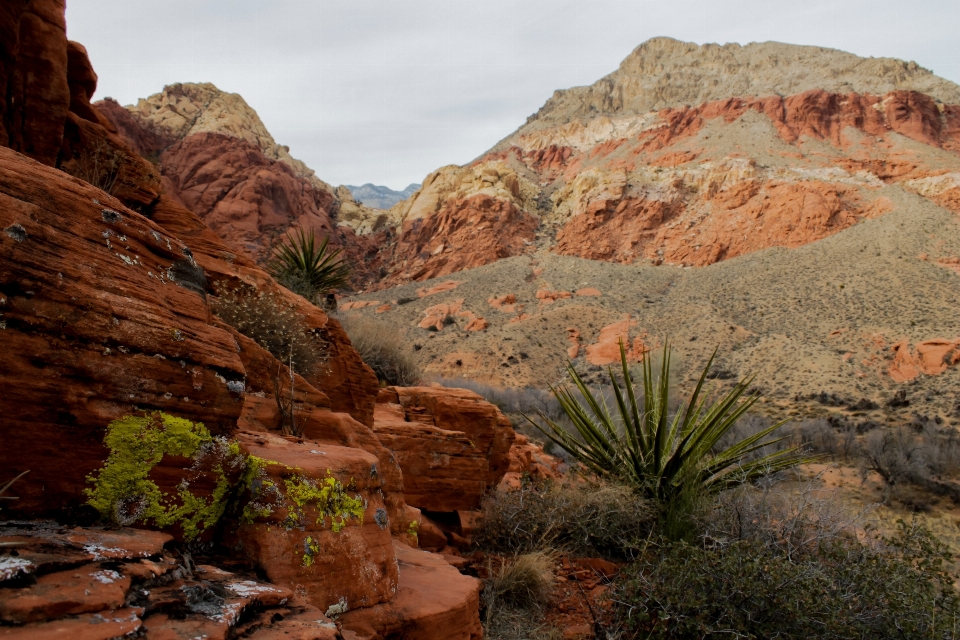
[{"x": 378, "y": 197}]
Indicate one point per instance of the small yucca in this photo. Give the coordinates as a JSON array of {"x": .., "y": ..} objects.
[
  {"x": 664, "y": 457},
  {"x": 307, "y": 269}
]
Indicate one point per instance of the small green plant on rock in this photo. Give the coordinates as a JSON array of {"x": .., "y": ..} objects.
[{"x": 124, "y": 493}]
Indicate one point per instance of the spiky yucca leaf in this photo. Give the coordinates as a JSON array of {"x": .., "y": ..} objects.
[
  {"x": 306, "y": 269},
  {"x": 657, "y": 454}
]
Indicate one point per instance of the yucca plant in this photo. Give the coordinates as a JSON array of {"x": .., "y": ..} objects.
[
  {"x": 307, "y": 269},
  {"x": 661, "y": 456}
]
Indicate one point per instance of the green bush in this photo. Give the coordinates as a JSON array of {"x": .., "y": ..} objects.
[
  {"x": 838, "y": 588},
  {"x": 581, "y": 518},
  {"x": 383, "y": 349}
]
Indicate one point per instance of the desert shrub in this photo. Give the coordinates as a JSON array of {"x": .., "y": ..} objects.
[
  {"x": 383, "y": 349},
  {"x": 274, "y": 324},
  {"x": 306, "y": 269},
  {"x": 577, "y": 517},
  {"x": 515, "y": 594},
  {"x": 903, "y": 457},
  {"x": 663, "y": 453},
  {"x": 525, "y": 581},
  {"x": 99, "y": 166},
  {"x": 508, "y": 399},
  {"x": 838, "y": 588}
]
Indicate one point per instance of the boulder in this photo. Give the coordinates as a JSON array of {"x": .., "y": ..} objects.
[
  {"x": 315, "y": 522},
  {"x": 451, "y": 444},
  {"x": 433, "y": 602}
]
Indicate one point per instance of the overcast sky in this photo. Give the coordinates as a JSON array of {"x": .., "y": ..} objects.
[{"x": 386, "y": 91}]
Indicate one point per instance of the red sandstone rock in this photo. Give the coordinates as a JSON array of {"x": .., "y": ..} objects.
[
  {"x": 588, "y": 291},
  {"x": 442, "y": 287},
  {"x": 462, "y": 235},
  {"x": 92, "y": 626},
  {"x": 904, "y": 367},
  {"x": 95, "y": 323},
  {"x": 358, "y": 304},
  {"x": 433, "y": 602},
  {"x": 384, "y": 308},
  {"x": 439, "y": 315},
  {"x": 506, "y": 304},
  {"x": 246, "y": 198},
  {"x": 450, "y": 443},
  {"x": 477, "y": 324},
  {"x": 322, "y": 552},
  {"x": 607, "y": 348},
  {"x": 573, "y": 335},
  {"x": 67, "y": 593},
  {"x": 549, "y": 297},
  {"x": 934, "y": 356},
  {"x": 33, "y": 74}
]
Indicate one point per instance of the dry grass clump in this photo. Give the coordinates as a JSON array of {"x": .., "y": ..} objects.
[
  {"x": 515, "y": 595},
  {"x": 577, "y": 517},
  {"x": 525, "y": 581},
  {"x": 274, "y": 324},
  {"x": 383, "y": 349}
]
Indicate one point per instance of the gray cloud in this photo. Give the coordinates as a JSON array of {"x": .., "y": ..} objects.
[{"x": 386, "y": 91}]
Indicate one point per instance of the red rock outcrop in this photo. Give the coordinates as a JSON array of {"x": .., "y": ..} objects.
[
  {"x": 606, "y": 350},
  {"x": 450, "y": 443},
  {"x": 108, "y": 569},
  {"x": 463, "y": 234},
  {"x": 87, "y": 295},
  {"x": 246, "y": 198},
  {"x": 432, "y": 602},
  {"x": 33, "y": 75},
  {"x": 933, "y": 357}
]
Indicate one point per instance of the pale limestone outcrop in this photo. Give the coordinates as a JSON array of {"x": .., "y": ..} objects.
[{"x": 187, "y": 109}]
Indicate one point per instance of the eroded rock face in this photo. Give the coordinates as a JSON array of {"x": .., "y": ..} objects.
[
  {"x": 433, "y": 602},
  {"x": 93, "y": 318},
  {"x": 316, "y": 522},
  {"x": 463, "y": 234},
  {"x": 33, "y": 73},
  {"x": 248, "y": 199},
  {"x": 450, "y": 443}
]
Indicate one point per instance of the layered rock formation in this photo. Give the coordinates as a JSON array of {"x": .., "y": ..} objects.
[
  {"x": 128, "y": 401},
  {"x": 218, "y": 159},
  {"x": 827, "y": 181}
]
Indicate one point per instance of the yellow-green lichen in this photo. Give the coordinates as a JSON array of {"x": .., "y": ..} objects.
[
  {"x": 327, "y": 495},
  {"x": 311, "y": 548},
  {"x": 264, "y": 494},
  {"x": 123, "y": 491},
  {"x": 412, "y": 530}
]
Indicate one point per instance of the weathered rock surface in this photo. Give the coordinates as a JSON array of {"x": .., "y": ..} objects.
[
  {"x": 33, "y": 74},
  {"x": 450, "y": 443},
  {"x": 90, "y": 293},
  {"x": 433, "y": 600}
]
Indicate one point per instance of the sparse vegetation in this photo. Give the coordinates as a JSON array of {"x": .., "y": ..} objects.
[
  {"x": 577, "y": 517},
  {"x": 274, "y": 324},
  {"x": 515, "y": 594},
  {"x": 99, "y": 166},
  {"x": 383, "y": 349},
  {"x": 306, "y": 269},
  {"x": 749, "y": 587}
]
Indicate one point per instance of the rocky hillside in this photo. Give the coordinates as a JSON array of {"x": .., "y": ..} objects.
[
  {"x": 379, "y": 197},
  {"x": 217, "y": 158},
  {"x": 174, "y": 478},
  {"x": 795, "y": 205}
]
